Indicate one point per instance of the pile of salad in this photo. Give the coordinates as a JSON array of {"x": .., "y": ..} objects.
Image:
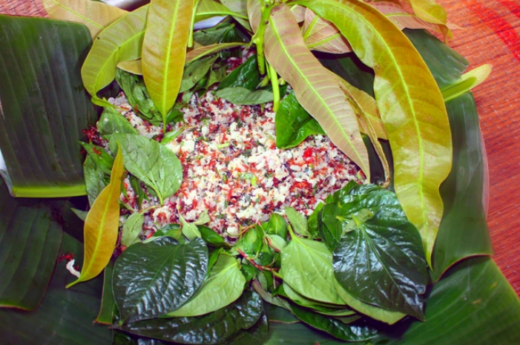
[{"x": 237, "y": 177}]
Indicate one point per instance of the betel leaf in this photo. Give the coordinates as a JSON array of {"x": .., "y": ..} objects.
[
  {"x": 100, "y": 156},
  {"x": 463, "y": 231},
  {"x": 190, "y": 230},
  {"x": 243, "y": 96},
  {"x": 164, "y": 50},
  {"x": 211, "y": 237},
  {"x": 223, "y": 286},
  {"x": 417, "y": 130},
  {"x": 150, "y": 162},
  {"x": 315, "y": 89},
  {"x": 298, "y": 221},
  {"x": 101, "y": 226},
  {"x": 473, "y": 304},
  {"x": 307, "y": 268},
  {"x": 93, "y": 179},
  {"x": 246, "y": 75},
  {"x": 322, "y": 308},
  {"x": 334, "y": 327},
  {"x": 277, "y": 226},
  {"x": 293, "y": 123},
  {"x": 30, "y": 238},
  {"x": 256, "y": 335},
  {"x": 64, "y": 316},
  {"x": 168, "y": 277},
  {"x": 132, "y": 228},
  {"x": 196, "y": 71},
  {"x": 213, "y": 328},
  {"x": 95, "y": 15},
  {"x": 111, "y": 122},
  {"x": 120, "y": 41},
  {"x": 379, "y": 259},
  {"x": 38, "y": 141}
]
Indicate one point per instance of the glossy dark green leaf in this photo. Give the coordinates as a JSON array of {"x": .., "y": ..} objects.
[
  {"x": 150, "y": 162},
  {"x": 243, "y": 96},
  {"x": 246, "y": 75},
  {"x": 64, "y": 316},
  {"x": 322, "y": 308},
  {"x": 298, "y": 334},
  {"x": 212, "y": 237},
  {"x": 44, "y": 107},
  {"x": 213, "y": 328},
  {"x": 472, "y": 304},
  {"x": 463, "y": 231},
  {"x": 108, "y": 304},
  {"x": 256, "y": 335},
  {"x": 294, "y": 124},
  {"x": 93, "y": 179},
  {"x": 30, "y": 238},
  {"x": 380, "y": 259},
  {"x": 111, "y": 121},
  {"x": 279, "y": 314},
  {"x": 100, "y": 156},
  {"x": 350, "y": 68},
  {"x": 169, "y": 276},
  {"x": 334, "y": 327}
]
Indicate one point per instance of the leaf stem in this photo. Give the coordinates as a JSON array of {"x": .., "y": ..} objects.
[
  {"x": 192, "y": 24},
  {"x": 276, "y": 87},
  {"x": 258, "y": 38}
]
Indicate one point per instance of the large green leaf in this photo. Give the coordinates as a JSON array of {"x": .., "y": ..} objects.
[
  {"x": 121, "y": 41},
  {"x": 39, "y": 69},
  {"x": 164, "y": 50},
  {"x": 418, "y": 127},
  {"x": 379, "y": 259},
  {"x": 473, "y": 304},
  {"x": 169, "y": 276},
  {"x": 30, "y": 238},
  {"x": 212, "y": 328},
  {"x": 64, "y": 316},
  {"x": 463, "y": 231},
  {"x": 316, "y": 90},
  {"x": 223, "y": 286}
]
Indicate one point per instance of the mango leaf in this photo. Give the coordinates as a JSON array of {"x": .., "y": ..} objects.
[
  {"x": 475, "y": 287},
  {"x": 43, "y": 159},
  {"x": 200, "y": 52},
  {"x": 101, "y": 226},
  {"x": 467, "y": 82},
  {"x": 293, "y": 123},
  {"x": 95, "y": 15},
  {"x": 111, "y": 122},
  {"x": 30, "y": 238},
  {"x": 322, "y": 35},
  {"x": 209, "y": 8},
  {"x": 243, "y": 96},
  {"x": 246, "y": 75},
  {"x": 223, "y": 286},
  {"x": 150, "y": 162},
  {"x": 239, "y": 7},
  {"x": 463, "y": 231},
  {"x": 93, "y": 179},
  {"x": 132, "y": 228},
  {"x": 213, "y": 328},
  {"x": 314, "y": 88},
  {"x": 121, "y": 41},
  {"x": 379, "y": 259},
  {"x": 416, "y": 129},
  {"x": 108, "y": 305},
  {"x": 164, "y": 50},
  {"x": 298, "y": 221},
  {"x": 333, "y": 326},
  {"x": 132, "y": 66},
  {"x": 195, "y": 72},
  {"x": 169, "y": 277},
  {"x": 429, "y": 11},
  {"x": 313, "y": 277},
  {"x": 64, "y": 316}
]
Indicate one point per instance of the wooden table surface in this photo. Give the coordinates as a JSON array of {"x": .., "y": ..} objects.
[{"x": 491, "y": 34}]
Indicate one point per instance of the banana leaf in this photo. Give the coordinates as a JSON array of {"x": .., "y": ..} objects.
[{"x": 44, "y": 106}]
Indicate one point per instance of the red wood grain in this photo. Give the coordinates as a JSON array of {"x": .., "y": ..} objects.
[{"x": 491, "y": 35}]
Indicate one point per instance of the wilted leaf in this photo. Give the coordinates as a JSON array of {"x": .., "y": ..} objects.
[
  {"x": 418, "y": 130},
  {"x": 95, "y": 15},
  {"x": 101, "y": 226},
  {"x": 164, "y": 50}
]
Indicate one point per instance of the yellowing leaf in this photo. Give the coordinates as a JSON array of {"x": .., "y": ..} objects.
[
  {"x": 95, "y": 15},
  {"x": 322, "y": 35},
  {"x": 121, "y": 41},
  {"x": 429, "y": 11},
  {"x": 164, "y": 50},
  {"x": 133, "y": 66},
  {"x": 411, "y": 107},
  {"x": 315, "y": 88},
  {"x": 467, "y": 82},
  {"x": 101, "y": 226}
]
